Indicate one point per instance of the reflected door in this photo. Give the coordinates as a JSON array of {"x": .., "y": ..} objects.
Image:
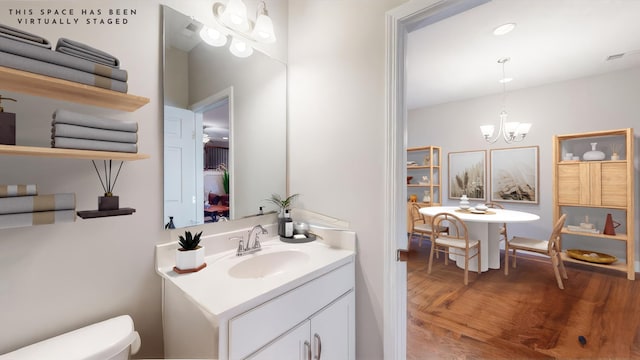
[{"x": 179, "y": 176}]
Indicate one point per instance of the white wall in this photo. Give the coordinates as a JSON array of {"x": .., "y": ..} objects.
[
  {"x": 336, "y": 132},
  {"x": 588, "y": 104},
  {"x": 55, "y": 278}
]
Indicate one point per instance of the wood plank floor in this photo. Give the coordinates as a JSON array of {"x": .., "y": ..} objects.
[{"x": 520, "y": 316}]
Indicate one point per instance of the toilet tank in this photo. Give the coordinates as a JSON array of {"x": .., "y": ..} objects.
[{"x": 113, "y": 339}]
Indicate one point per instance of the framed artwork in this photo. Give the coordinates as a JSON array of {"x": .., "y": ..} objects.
[
  {"x": 467, "y": 174},
  {"x": 515, "y": 175}
]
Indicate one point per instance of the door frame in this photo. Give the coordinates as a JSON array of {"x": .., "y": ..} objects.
[{"x": 400, "y": 21}]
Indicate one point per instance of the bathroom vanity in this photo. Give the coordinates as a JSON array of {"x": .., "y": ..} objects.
[{"x": 287, "y": 301}]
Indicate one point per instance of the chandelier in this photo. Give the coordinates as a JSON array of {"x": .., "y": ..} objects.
[
  {"x": 233, "y": 20},
  {"x": 511, "y": 131}
]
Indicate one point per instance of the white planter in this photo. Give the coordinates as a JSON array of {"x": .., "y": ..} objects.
[{"x": 190, "y": 259}]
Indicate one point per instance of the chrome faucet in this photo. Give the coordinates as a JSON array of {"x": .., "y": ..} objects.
[{"x": 254, "y": 246}]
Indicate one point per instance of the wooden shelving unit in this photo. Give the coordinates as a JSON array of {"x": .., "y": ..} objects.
[
  {"x": 49, "y": 87},
  {"x": 431, "y": 169},
  {"x": 598, "y": 187}
]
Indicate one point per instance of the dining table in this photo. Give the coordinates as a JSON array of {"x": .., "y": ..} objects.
[{"x": 483, "y": 226}]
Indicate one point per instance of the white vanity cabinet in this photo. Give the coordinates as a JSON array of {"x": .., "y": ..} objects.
[
  {"x": 327, "y": 335},
  {"x": 298, "y": 309},
  {"x": 314, "y": 321}
]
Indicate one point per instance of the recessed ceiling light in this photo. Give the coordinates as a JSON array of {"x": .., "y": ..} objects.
[
  {"x": 504, "y": 29},
  {"x": 505, "y": 80}
]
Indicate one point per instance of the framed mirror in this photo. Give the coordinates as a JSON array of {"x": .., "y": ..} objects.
[{"x": 224, "y": 127}]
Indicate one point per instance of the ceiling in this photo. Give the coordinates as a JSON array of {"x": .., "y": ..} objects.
[{"x": 554, "y": 40}]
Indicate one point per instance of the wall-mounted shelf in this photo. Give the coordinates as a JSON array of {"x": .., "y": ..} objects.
[
  {"x": 69, "y": 153},
  {"x": 41, "y": 85},
  {"x": 91, "y": 214}
]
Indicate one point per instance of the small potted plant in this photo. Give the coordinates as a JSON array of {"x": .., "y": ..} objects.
[
  {"x": 282, "y": 204},
  {"x": 190, "y": 255}
]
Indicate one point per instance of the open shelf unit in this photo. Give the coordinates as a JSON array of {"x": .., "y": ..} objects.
[
  {"x": 45, "y": 86},
  {"x": 428, "y": 160},
  {"x": 596, "y": 188},
  {"x": 50, "y": 87}
]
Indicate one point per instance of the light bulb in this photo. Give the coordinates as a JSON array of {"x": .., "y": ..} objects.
[
  {"x": 212, "y": 37},
  {"x": 240, "y": 48}
]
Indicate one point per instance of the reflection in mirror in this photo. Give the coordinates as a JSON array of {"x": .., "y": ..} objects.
[{"x": 210, "y": 95}]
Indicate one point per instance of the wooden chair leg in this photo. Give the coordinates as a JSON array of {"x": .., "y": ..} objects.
[
  {"x": 554, "y": 263},
  {"x": 506, "y": 259},
  {"x": 563, "y": 271},
  {"x": 466, "y": 267},
  {"x": 433, "y": 248},
  {"x": 514, "y": 256},
  {"x": 479, "y": 260}
]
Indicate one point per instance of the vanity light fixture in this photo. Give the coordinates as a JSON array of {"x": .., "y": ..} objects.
[
  {"x": 511, "y": 131},
  {"x": 233, "y": 20}
]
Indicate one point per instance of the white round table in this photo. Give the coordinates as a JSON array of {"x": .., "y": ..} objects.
[{"x": 483, "y": 227}]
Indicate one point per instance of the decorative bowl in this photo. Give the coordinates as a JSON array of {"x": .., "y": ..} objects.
[{"x": 591, "y": 256}]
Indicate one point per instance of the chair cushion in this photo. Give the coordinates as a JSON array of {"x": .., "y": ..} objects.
[
  {"x": 422, "y": 227},
  {"x": 454, "y": 242},
  {"x": 528, "y": 243}
]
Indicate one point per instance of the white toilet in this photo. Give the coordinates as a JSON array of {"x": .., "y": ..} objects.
[{"x": 113, "y": 339}]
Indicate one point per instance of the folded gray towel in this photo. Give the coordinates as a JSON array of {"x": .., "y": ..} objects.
[
  {"x": 28, "y": 204},
  {"x": 62, "y": 116},
  {"x": 54, "y": 57},
  {"x": 23, "y": 36},
  {"x": 87, "y": 52},
  {"x": 60, "y": 72},
  {"x": 98, "y": 145},
  {"x": 83, "y": 132}
]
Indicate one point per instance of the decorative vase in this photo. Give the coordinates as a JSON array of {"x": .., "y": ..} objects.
[
  {"x": 610, "y": 226},
  {"x": 593, "y": 155},
  {"x": 464, "y": 202},
  {"x": 615, "y": 156},
  {"x": 427, "y": 196},
  {"x": 108, "y": 203},
  {"x": 190, "y": 260}
]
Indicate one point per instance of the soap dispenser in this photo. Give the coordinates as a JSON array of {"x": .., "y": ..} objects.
[{"x": 7, "y": 125}]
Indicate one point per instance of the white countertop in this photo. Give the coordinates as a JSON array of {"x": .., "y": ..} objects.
[{"x": 223, "y": 296}]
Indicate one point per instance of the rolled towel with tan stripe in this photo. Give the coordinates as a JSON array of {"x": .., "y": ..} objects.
[{"x": 18, "y": 190}]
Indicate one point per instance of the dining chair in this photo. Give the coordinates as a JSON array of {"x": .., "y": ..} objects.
[
  {"x": 503, "y": 228},
  {"x": 456, "y": 238},
  {"x": 550, "y": 248},
  {"x": 420, "y": 225}
]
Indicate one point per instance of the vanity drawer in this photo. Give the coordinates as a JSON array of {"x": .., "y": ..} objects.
[{"x": 255, "y": 328}]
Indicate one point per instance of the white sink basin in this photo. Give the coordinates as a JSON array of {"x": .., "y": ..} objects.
[{"x": 260, "y": 265}]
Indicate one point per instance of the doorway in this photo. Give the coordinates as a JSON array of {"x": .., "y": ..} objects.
[{"x": 400, "y": 21}]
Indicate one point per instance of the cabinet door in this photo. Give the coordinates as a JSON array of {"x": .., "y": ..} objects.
[
  {"x": 614, "y": 184},
  {"x": 595, "y": 184},
  {"x": 294, "y": 345},
  {"x": 571, "y": 181},
  {"x": 333, "y": 330}
]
